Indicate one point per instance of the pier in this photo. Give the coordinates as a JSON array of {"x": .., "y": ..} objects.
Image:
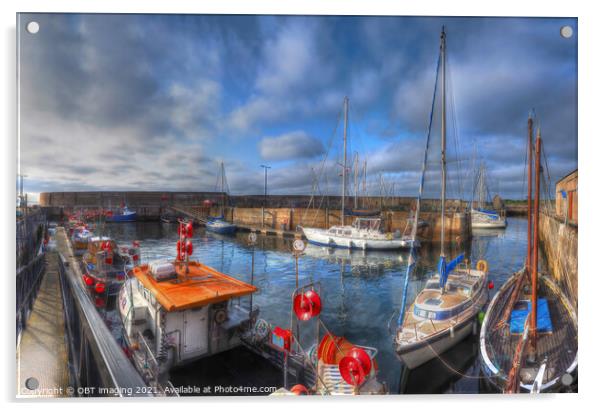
[{"x": 64, "y": 347}]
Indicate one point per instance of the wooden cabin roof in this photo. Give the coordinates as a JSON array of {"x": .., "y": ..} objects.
[{"x": 203, "y": 285}]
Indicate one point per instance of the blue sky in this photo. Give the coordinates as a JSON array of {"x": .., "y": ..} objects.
[{"x": 153, "y": 102}]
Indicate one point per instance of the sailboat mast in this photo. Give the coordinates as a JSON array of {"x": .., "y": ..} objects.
[
  {"x": 346, "y": 105},
  {"x": 443, "y": 143},
  {"x": 355, "y": 180},
  {"x": 529, "y": 195},
  {"x": 534, "y": 258}
]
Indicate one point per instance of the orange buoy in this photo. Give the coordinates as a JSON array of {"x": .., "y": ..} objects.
[
  {"x": 355, "y": 367},
  {"x": 307, "y": 305},
  {"x": 299, "y": 389}
]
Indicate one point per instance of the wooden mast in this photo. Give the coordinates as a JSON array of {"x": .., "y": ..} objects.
[
  {"x": 529, "y": 194},
  {"x": 534, "y": 258},
  {"x": 443, "y": 130},
  {"x": 346, "y": 105}
]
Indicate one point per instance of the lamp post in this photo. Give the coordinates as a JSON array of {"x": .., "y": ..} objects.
[{"x": 265, "y": 193}]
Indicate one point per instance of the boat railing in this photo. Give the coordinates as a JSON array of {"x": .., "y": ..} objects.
[
  {"x": 148, "y": 353},
  {"x": 95, "y": 357}
]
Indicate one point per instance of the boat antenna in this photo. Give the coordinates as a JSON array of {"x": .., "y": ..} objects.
[{"x": 346, "y": 105}]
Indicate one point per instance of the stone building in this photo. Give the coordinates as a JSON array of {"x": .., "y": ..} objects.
[{"x": 566, "y": 198}]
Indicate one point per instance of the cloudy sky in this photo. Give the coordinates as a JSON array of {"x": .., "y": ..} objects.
[{"x": 154, "y": 102}]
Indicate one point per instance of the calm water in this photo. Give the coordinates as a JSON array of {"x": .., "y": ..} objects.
[{"x": 361, "y": 292}]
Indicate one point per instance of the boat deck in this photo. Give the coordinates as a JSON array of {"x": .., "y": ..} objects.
[
  {"x": 558, "y": 346},
  {"x": 42, "y": 361}
]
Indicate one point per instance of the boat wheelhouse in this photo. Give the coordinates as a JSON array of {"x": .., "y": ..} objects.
[
  {"x": 175, "y": 312},
  {"x": 106, "y": 265},
  {"x": 80, "y": 238}
]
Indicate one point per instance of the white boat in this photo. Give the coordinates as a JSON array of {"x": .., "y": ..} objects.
[
  {"x": 440, "y": 317},
  {"x": 219, "y": 224},
  {"x": 175, "y": 312},
  {"x": 364, "y": 233},
  {"x": 444, "y": 312},
  {"x": 480, "y": 216}
]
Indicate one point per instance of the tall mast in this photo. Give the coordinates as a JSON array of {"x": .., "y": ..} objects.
[
  {"x": 346, "y": 105},
  {"x": 529, "y": 194},
  {"x": 443, "y": 126},
  {"x": 355, "y": 175},
  {"x": 534, "y": 258}
]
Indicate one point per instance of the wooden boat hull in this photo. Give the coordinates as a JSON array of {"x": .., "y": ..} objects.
[
  {"x": 414, "y": 355},
  {"x": 493, "y": 358}
]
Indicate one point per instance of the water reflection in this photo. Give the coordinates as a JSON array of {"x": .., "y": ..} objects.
[{"x": 361, "y": 291}]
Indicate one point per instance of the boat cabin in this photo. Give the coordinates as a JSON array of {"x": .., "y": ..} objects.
[{"x": 175, "y": 312}]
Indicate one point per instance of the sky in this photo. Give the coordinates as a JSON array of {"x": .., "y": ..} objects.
[{"x": 156, "y": 102}]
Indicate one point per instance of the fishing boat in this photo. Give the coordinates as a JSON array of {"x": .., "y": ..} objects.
[
  {"x": 219, "y": 224},
  {"x": 79, "y": 239},
  {"x": 365, "y": 233},
  {"x": 528, "y": 339},
  {"x": 106, "y": 264},
  {"x": 123, "y": 215},
  {"x": 332, "y": 365},
  {"x": 444, "y": 312},
  {"x": 177, "y": 311}
]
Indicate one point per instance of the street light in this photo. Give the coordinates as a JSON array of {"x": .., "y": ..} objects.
[{"x": 265, "y": 193}]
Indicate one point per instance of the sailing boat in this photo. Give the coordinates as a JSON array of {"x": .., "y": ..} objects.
[
  {"x": 528, "y": 339},
  {"x": 365, "y": 233},
  {"x": 444, "y": 312},
  {"x": 482, "y": 217},
  {"x": 219, "y": 224}
]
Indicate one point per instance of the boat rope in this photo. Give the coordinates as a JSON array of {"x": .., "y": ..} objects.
[
  {"x": 321, "y": 171},
  {"x": 412, "y": 256},
  {"x": 452, "y": 369}
]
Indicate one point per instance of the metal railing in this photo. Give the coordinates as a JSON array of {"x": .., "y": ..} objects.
[
  {"x": 28, "y": 282},
  {"x": 96, "y": 360}
]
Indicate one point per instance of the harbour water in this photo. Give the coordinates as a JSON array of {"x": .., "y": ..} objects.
[{"x": 361, "y": 292}]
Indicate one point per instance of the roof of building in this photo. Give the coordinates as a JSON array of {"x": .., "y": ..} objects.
[
  {"x": 203, "y": 285},
  {"x": 568, "y": 175}
]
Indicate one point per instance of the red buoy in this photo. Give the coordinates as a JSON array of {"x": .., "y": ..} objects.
[
  {"x": 299, "y": 389},
  {"x": 355, "y": 366},
  {"x": 189, "y": 247},
  {"x": 99, "y": 287},
  {"x": 189, "y": 229},
  {"x": 307, "y": 305},
  {"x": 89, "y": 281},
  {"x": 490, "y": 285}
]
